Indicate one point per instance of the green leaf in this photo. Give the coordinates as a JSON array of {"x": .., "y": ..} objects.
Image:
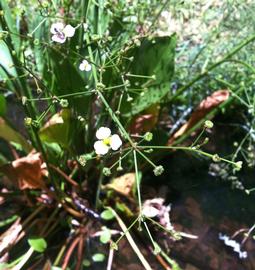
[
  {"x": 153, "y": 58},
  {"x": 11, "y": 135},
  {"x": 86, "y": 263},
  {"x": 98, "y": 257},
  {"x": 11, "y": 23},
  {"x": 2, "y": 105},
  {"x": 64, "y": 78},
  {"x": 6, "y": 62},
  {"x": 38, "y": 244},
  {"x": 105, "y": 237},
  {"x": 57, "y": 130},
  {"x": 107, "y": 215},
  {"x": 151, "y": 96}
]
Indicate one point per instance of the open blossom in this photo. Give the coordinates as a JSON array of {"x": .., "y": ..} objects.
[
  {"x": 85, "y": 65},
  {"x": 61, "y": 32},
  {"x": 106, "y": 141}
]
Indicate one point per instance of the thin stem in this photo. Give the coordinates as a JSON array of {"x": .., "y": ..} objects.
[{"x": 137, "y": 182}]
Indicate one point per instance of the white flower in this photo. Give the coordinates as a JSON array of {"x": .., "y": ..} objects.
[
  {"x": 61, "y": 32},
  {"x": 106, "y": 141},
  {"x": 85, "y": 65}
]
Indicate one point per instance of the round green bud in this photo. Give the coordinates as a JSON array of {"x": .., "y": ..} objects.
[
  {"x": 28, "y": 121},
  {"x": 113, "y": 245},
  {"x": 64, "y": 103},
  {"x": 238, "y": 165},
  {"x": 36, "y": 41},
  {"x": 100, "y": 86},
  {"x": 82, "y": 160},
  {"x": 106, "y": 171},
  {"x": 158, "y": 170},
  {"x": 119, "y": 168},
  {"x": 148, "y": 136},
  {"x": 129, "y": 98},
  {"x": 39, "y": 90},
  {"x": 216, "y": 158},
  {"x": 208, "y": 124}
]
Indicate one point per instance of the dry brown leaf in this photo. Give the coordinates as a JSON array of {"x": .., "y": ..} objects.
[
  {"x": 123, "y": 184},
  {"x": 145, "y": 122},
  {"x": 201, "y": 111},
  {"x": 26, "y": 172}
]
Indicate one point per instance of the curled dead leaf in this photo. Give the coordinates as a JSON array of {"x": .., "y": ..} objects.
[
  {"x": 205, "y": 107},
  {"x": 123, "y": 184},
  {"x": 27, "y": 172}
]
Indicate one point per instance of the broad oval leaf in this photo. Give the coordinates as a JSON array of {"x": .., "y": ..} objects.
[
  {"x": 105, "y": 237},
  {"x": 57, "y": 129},
  {"x": 107, "y": 214},
  {"x": 38, "y": 244},
  {"x": 98, "y": 257},
  {"x": 11, "y": 135}
]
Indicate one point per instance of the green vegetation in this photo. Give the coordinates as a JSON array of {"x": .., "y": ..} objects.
[{"x": 94, "y": 96}]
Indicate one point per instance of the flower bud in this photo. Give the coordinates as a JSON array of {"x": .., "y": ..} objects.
[
  {"x": 100, "y": 86},
  {"x": 28, "y": 121},
  {"x": 158, "y": 170},
  {"x": 238, "y": 165},
  {"x": 216, "y": 158},
  {"x": 82, "y": 160},
  {"x": 64, "y": 103},
  {"x": 148, "y": 136},
  {"x": 106, "y": 171},
  {"x": 208, "y": 124},
  {"x": 24, "y": 100}
]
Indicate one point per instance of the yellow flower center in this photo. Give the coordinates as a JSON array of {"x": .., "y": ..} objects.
[{"x": 107, "y": 141}]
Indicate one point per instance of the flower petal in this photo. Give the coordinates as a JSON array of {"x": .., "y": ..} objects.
[
  {"x": 81, "y": 66},
  {"x": 103, "y": 133},
  {"x": 56, "y": 27},
  {"x": 69, "y": 31},
  {"x": 84, "y": 65},
  {"x": 58, "y": 38},
  {"x": 115, "y": 142},
  {"x": 87, "y": 67},
  {"x": 101, "y": 148},
  {"x": 150, "y": 211}
]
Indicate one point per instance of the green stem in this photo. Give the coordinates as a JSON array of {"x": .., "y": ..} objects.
[{"x": 137, "y": 182}]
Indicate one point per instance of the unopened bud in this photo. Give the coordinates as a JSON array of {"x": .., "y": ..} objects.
[
  {"x": 238, "y": 165},
  {"x": 63, "y": 103},
  {"x": 106, "y": 171},
  {"x": 28, "y": 121},
  {"x": 216, "y": 158},
  {"x": 158, "y": 170},
  {"x": 148, "y": 136},
  {"x": 208, "y": 124}
]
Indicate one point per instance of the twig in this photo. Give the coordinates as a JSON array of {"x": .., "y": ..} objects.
[
  {"x": 80, "y": 253},
  {"x": 69, "y": 253},
  {"x": 67, "y": 178}
]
